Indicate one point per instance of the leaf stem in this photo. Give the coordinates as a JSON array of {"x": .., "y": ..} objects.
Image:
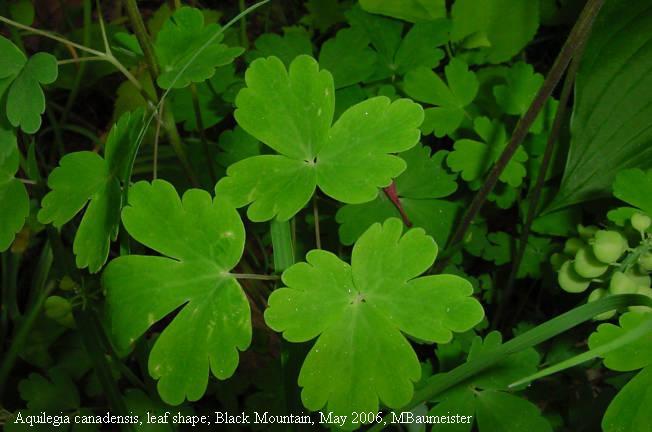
[
  {"x": 578, "y": 35},
  {"x": 202, "y": 133},
  {"x": 143, "y": 37},
  {"x": 315, "y": 214},
  {"x": 535, "y": 195},
  {"x": 254, "y": 276}
]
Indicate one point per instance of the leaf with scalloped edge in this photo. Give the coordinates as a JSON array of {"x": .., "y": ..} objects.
[
  {"x": 14, "y": 201},
  {"x": 291, "y": 112},
  {"x": 84, "y": 177},
  {"x": 360, "y": 312},
  {"x": 180, "y": 38},
  {"x": 632, "y": 356},
  {"x": 201, "y": 239},
  {"x": 450, "y": 99},
  {"x": 22, "y": 78}
]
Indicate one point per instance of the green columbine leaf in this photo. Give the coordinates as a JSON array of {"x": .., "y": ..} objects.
[
  {"x": 55, "y": 393},
  {"x": 474, "y": 158},
  {"x": 499, "y": 248},
  {"x": 181, "y": 37},
  {"x": 14, "y": 201},
  {"x": 521, "y": 88},
  {"x": 348, "y": 57},
  {"x": 408, "y": 10},
  {"x": 612, "y": 115},
  {"x": 417, "y": 189},
  {"x": 291, "y": 112},
  {"x": 506, "y": 25},
  {"x": 483, "y": 396},
  {"x": 629, "y": 357},
  {"x": 23, "y": 78},
  {"x": 236, "y": 145},
  {"x": 294, "y": 42},
  {"x": 634, "y": 186},
  {"x": 359, "y": 313},
  {"x": 323, "y": 14},
  {"x": 425, "y": 86},
  {"x": 85, "y": 176},
  {"x": 202, "y": 239},
  {"x": 630, "y": 409},
  {"x": 419, "y": 47}
]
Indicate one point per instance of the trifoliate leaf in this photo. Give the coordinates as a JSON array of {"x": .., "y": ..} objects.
[
  {"x": 385, "y": 36},
  {"x": 408, "y": 10},
  {"x": 85, "y": 176},
  {"x": 291, "y": 112},
  {"x": 14, "y": 201},
  {"x": 521, "y": 88},
  {"x": 634, "y": 186},
  {"x": 621, "y": 216},
  {"x": 203, "y": 239},
  {"x": 348, "y": 57},
  {"x": 508, "y": 25},
  {"x": 53, "y": 394},
  {"x": 474, "y": 158},
  {"x": 632, "y": 356},
  {"x": 359, "y": 313},
  {"x": 294, "y": 42},
  {"x": 505, "y": 372},
  {"x": 629, "y": 410},
  {"x": 482, "y": 397},
  {"x": 23, "y": 78},
  {"x": 236, "y": 145},
  {"x": 499, "y": 248},
  {"x": 424, "y": 180},
  {"x": 419, "y": 47},
  {"x": 424, "y": 85},
  {"x": 181, "y": 37}
]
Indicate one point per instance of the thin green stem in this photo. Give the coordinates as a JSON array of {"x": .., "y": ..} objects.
[
  {"x": 578, "y": 35},
  {"x": 143, "y": 37},
  {"x": 80, "y": 60},
  {"x": 202, "y": 134},
  {"x": 244, "y": 39},
  {"x": 254, "y": 276},
  {"x": 315, "y": 214}
]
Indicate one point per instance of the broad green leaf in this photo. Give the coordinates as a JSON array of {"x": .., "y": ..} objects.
[
  {"x": 348, "y": 57},
  {"x": 25, "y": 100},
  {"x": 359, "y": 313},
  {"x": 500, "y": 411},
  {"x": 630, "y": 409},
  {"x": 507, "y": 26},
  {"x": 634, "y": 186},
  {"x": 418, "y": 187},
  {"x": 423, "y": 85},
  {"x": 85, "y": 176},
  {"x": 522, "y": 85},
  {"x": 630, "y": 357},
  {"x": 408, "y": 10},
  {"x": 474, "y": 158},
  {"x": 611, "y": 125},
  {"x": 291, "y": 112},
  {"x": 236, "y": 145},
  {"x": 14, "y": 201},
  {"x": 180, "y": 38},
  {"x": 294, "y": 42},
  {"x": 202, "y": 240}
]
